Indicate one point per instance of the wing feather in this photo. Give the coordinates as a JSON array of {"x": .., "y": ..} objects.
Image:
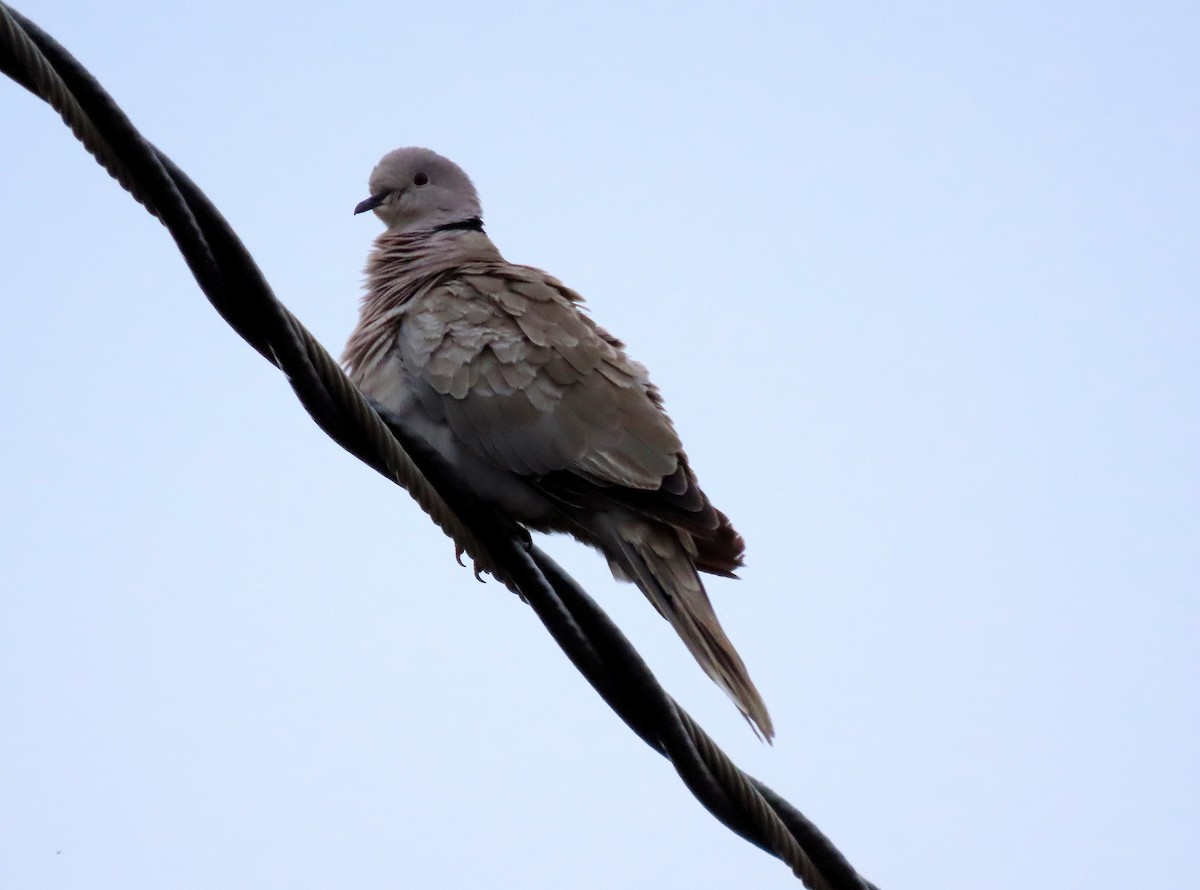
[{"x": 530, "y": 383}]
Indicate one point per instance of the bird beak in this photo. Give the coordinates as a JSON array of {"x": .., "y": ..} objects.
[{"x": 370, "y": 204}]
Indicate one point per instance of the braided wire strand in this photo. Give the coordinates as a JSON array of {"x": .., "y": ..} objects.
[
  {"x": 47, "y": 84},
  {"x": 233, "y": 283}
]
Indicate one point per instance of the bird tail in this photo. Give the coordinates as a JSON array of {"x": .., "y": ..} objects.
[{"x": 656, "y": 559}]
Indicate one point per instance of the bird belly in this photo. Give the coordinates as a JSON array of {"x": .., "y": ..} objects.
[{"x": 509, "y": 492}]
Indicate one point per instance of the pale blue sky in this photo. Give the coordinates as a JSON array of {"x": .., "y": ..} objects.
[{"x": 920, "y": 285}]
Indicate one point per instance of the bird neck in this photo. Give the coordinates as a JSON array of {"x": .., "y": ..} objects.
[
  {"x": 402, "y": 265},
  {"x": 403, "y": 254}
]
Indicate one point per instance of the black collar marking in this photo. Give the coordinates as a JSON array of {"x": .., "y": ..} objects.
[{"x": 474, "y": 224}]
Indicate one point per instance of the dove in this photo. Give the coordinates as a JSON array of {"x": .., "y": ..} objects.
[{"x": 539, "y": 410}]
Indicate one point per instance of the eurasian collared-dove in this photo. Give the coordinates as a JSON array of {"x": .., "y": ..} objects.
[{"x": 536, "y": 406}]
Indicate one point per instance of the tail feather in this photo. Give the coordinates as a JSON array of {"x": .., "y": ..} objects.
[{"x": 656, "y": 559}]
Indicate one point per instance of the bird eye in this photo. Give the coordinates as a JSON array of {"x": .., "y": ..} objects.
[{"x": 421, "y": 179}]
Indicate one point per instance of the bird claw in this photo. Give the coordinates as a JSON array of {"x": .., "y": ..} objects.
[{"x": 476, "y": 566}]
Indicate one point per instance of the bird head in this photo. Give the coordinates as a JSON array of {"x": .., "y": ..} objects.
[{"x": 415, "y": 189}]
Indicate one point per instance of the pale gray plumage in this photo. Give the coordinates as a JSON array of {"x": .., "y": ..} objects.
[{"x": 538, "y": 408}]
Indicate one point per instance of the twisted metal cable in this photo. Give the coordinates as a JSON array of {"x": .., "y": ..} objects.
[{"x": 234, "y": 285}]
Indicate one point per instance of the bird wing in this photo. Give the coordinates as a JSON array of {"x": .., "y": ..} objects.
[
  {"x": 526, "y": 380},
  {"x": 505, "y": 356}
]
